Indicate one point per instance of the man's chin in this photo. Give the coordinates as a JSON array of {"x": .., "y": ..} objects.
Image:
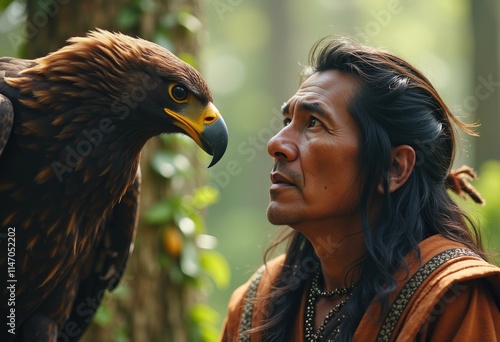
[{"x": 277, "y": 216}]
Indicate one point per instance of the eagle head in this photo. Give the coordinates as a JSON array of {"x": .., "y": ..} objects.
[{"x": 142, "y": 87}]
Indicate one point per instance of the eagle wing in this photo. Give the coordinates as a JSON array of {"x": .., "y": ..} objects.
[
  {"x": 6, "y": 109},
  {"x": 105, "y": 268},
  {"x": 6, "y": 121},
  {"x": 9, "y": 67}
]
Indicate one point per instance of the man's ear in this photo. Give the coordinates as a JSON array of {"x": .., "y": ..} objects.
[{"x": 403, "y": 161}]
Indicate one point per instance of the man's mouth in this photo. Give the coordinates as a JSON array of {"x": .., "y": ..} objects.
[{"x": 280, "y": 181}]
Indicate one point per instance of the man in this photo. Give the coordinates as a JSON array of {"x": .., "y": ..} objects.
[{"x": 379, "y": 250}]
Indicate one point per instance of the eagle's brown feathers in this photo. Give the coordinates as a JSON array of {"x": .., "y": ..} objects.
[{"x": 73, "y": 124}]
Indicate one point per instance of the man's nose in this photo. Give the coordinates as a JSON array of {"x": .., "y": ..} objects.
[{"x": 282, "y": 145}]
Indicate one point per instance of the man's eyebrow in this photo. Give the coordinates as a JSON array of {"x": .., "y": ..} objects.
[
  {"x": 312, "y": 107},
  {"x": 285, "y": 108},
  {"x": 305, "y": 106}
]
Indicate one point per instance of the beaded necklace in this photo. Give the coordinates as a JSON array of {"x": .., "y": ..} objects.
[{"x": 312, "y": 297}]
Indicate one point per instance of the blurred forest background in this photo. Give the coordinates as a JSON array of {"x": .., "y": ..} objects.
[{"x": 251, "y": 53}]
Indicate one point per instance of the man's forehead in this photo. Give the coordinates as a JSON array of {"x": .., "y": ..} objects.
[
  {"x": 304, "y": 100},
  {"x": 319, "y": 77},
  {"x": 323, "y": 87},
  {"x": 321, "y": 90},
  {"x": 329, "y": 79}
]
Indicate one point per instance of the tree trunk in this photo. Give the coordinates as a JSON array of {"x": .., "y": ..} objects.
[
  {"x": 51, "y": 23},
  {"x": 153, "y": 307},
  {"x": 485, "y": 94}
]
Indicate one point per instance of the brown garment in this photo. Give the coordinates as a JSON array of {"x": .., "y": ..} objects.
[{"x": 453, "y": 295}]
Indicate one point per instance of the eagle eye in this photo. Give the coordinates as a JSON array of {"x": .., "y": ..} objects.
[{"x": 178, "y": 93}]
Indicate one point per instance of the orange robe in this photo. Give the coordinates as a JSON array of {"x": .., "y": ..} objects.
[{"x": 453, "y": 295}]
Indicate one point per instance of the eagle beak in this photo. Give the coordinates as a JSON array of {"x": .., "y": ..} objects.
[{"x": 206, "y": 127}]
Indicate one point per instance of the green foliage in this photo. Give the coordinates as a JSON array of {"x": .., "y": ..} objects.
[
  {"x": 128, "y": 17},
  {"x": 188, "y": 254},
  {"x": 202, "y": 323},
  {"x": 5, "y": 3},
  {"x": 131, "y": 14},
  {"x": 103, "y": 316},
  {"x": 216, "y": 267},
  {"x": 188, "y": 21},
  {"x": 187, "y": 251},
  {"x": 184, "y": 19},
  {"x": 488, "y": 215},
  {"x": 160, "y": 212},
  {"x": 205, "y": 196},
  {"x": 488, "y": 184}
]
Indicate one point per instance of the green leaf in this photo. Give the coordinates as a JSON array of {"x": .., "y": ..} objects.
[
  {"x": 121, "y": 291},
  {"x": 166, "y": 262},
  {"x": 128, "y": 17},
  {"x": 202, "y": 314},
  {"x": 189, "y": 59},
  {"x": 209, "y": 334},
  {"x": 164, "y": 41},
  {"x": 168, "y": 139},
  {"x": 148, "y": 6},
  {"x": 205, "y": 196},
  {"x": 121, "y": 336},
  {"x": 186, "y": 225},
  {"x": 168, "y": 21},
  {"x": 205, "y": 241},
  {"x": 190, "y": 263},
  {"x": 163, "y": 163},
  {"x": 189, "y": 22},
  {"x": 159, "y": 213},
  {"x": 169, "y": 164},
  {"x": 203, "y": 323},
  {"x": 216, "y": 267},
  {"x": 5, "y": 3},
  {"x": 176, "y": 276},
  {"x": 103, "y": 316}
]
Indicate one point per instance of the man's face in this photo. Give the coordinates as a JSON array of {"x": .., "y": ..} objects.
[{"x": 315, "y": 176}]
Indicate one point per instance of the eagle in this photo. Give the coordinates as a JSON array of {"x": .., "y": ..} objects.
[{"x": 72, "y": 126}]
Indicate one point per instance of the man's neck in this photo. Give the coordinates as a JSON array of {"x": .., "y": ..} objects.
[{"x": 338, "y": 250}]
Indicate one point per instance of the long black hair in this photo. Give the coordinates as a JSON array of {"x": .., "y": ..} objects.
[{"x": 395, "y": 104}]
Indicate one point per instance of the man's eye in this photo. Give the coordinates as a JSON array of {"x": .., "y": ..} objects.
[
  {"x": 313, "y": 122},
  {"x": 286, "y": 122}
]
